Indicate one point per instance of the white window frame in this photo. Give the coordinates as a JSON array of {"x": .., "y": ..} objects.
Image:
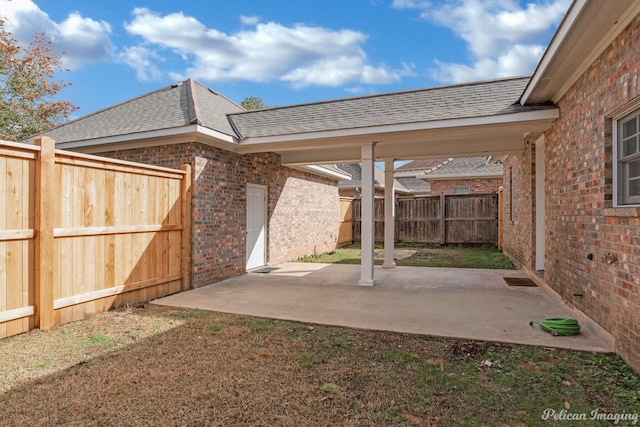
[{"x": 620, "y": 183}]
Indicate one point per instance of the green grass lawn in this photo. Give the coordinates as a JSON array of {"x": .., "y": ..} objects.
[{"x": 422, "y": 255}]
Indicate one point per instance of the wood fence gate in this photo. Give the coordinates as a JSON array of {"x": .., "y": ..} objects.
[{"x": 450, "y": 219}]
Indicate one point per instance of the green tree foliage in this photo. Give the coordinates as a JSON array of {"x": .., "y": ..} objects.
[
  {"x": 28, "y": 87},
  {"x": 252, "y": 103}
]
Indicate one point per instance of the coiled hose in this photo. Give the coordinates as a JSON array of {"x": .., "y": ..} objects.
[{"x": 559, "y": 325}]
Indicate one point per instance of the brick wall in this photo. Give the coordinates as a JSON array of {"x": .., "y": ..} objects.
[
  {"x": 476, "y": 185},
  {"x": 519, "y": 206},
  {"x": 302, "y": 208},
  {"x": 579, "y": 216}
]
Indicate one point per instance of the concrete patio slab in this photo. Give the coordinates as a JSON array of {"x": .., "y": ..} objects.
[{"x": 457, "y": 303}]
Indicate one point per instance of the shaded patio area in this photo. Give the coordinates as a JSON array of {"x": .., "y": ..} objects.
[{"x": 456, "y": 303}]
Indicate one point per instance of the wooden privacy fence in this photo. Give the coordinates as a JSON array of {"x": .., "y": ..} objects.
[
  {"x": 450, "y": 219},
  {"x": 345, "y": 224},
  {"x": 81, "y": 234}
]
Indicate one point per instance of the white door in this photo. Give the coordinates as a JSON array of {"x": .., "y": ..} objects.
[
  {"x": 256, "y": 226},
  {"x": 540, "y": 205}
]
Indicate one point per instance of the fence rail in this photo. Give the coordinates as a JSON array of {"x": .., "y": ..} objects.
[
  {"x": 81, "y": 234},
  {"x": 450, "y": 219}
]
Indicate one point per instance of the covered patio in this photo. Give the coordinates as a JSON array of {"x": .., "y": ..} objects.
[
  {"x": 456, "y": 303},
  {"x": 472, "y": 119}
]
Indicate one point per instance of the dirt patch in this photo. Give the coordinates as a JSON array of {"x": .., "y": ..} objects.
[
  {"x": 457, "y": 351},
  {"x": 154, "y": 365}
]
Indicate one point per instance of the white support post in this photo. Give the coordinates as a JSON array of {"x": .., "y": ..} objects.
[
  {"x": 389, "y": 215},
  {"x": 367, "y": 238}
]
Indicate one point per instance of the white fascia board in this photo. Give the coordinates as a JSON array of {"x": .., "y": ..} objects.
[
  {"x": 119, "y": 139},
  {"x": 497, "y": 159},
  {"x": 559, "y": 39},
  {"x": 217, "y": 135},
  {"x": 122, "y": 142},
  {"x": 514, "y": 118},
  {"x": 319, "y": 170},
  {"x": 460, "y": 176},
  {"x": 620, "y": 25},
  {"x": 549, "y": 54}
]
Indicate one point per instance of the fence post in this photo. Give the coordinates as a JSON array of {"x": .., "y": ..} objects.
[
  {"x": 185, "y": 241},
  {"x": 443, "y": 226},
  {"x": 44, "y": 243},
  {"x": 500, "y": 216}
]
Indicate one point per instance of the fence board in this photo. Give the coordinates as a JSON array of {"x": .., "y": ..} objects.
[
  {"x": 100, "y": 233},
  {"x": 455, "y": 219},
  {"x": 345, "y": 225},
  {"x": 16, "y": 235}
]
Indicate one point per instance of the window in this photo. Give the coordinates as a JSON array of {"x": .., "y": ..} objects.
[
  {"x": 461, "y": 190},
  {"x": 628, "y": 158}
]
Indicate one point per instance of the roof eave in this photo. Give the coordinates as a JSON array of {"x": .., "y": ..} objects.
[
  {"x": 279, "y": 142},
  {"x": 460, "y": 176},
  {"x": 190, "y": 133},
  {"x": 572, "y": 50},
  {"x": 319, "y": 170}
]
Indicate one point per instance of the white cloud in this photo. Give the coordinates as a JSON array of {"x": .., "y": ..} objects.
[
  {"x": 249, "y": 20},
  {"x": 504, "y": 38},
  {"x": 410, "y": 4},
  {"x": 140, "y": 59},
  {"x": 300, "y": 55},
  {"x": 83, "y": 40}
]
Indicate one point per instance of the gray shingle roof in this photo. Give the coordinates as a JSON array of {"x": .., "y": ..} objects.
[
  {"x": 465, "y": 166},
  {"x": 422, "y": 165},
  {"x": 414, "y": 185},
  {"x": 355, "y": 170},
  {"x": 478, "y": 99},
  {"x": 174, "y": 106}
]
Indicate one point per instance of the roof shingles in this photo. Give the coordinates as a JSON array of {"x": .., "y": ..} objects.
[
  {"x": 174, "y": 106},
  {"x": 479, "y": 99},
  {"x": 465, "y": 166}
]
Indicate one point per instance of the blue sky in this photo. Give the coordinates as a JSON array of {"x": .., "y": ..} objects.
[{"x": 284, "y": 51}]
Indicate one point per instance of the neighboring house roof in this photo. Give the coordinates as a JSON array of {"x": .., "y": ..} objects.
[
  {"x": 465, "y": 167},
  {"x": 182, "y": 104},
  {"x": 414, "y": 185},
  {"x": 419, "y": 167},
  {"x": 355, "y": 170},
  {"x": 422, "y": 165},
  {"x": 477, "y": 99}
]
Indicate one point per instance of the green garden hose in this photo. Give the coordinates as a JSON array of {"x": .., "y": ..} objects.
[{"x": 559, "y": 326}]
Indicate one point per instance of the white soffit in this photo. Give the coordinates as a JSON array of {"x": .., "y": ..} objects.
[{"x": 587, "y": 29}]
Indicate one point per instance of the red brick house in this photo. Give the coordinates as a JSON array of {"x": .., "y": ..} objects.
[
  {"x": 460, "y": 175},
  {"x": 409, "y": 173},
  {"x": 569, "y": 137},
  {"x": 572, "y": 211},
  {"x": 264, "y": 190},
  {"x": 247, "y": 209},
  {"x": 352, "y": 187}
]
